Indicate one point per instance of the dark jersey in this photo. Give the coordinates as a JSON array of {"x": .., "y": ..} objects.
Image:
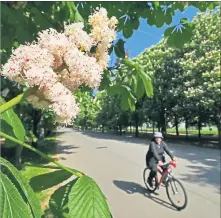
[{"x": 156, "y": 152}]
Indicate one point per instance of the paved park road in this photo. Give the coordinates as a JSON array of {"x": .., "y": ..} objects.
[{"x": 117, "y": 163}]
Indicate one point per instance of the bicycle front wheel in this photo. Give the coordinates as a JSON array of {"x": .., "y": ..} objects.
[{"x": 176, "y": 193}]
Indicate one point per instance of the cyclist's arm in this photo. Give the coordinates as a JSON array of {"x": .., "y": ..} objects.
[
  {"x": 166, "y": 149},
  {"x": 154, "y": 151}
]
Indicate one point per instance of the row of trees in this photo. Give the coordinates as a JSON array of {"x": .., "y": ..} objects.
[{"x": 186, "y": 84}]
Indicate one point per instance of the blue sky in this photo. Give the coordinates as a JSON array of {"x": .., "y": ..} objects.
[{"x": 147, "y": 36}]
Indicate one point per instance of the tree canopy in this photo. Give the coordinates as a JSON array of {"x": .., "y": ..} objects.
[
  {"x": 186, "y": 82},
  {"x": 21, "y": 21}
]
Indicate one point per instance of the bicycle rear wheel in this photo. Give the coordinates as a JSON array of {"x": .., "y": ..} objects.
[
  {"x": 145, "y": 178},
  {"x": 175, "y": 189}
]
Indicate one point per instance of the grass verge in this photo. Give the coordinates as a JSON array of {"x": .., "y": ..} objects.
[{"x": 35, "y": 167}]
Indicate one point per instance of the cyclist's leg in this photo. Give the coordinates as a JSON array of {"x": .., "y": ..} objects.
[{"x": 153, "y": 172}]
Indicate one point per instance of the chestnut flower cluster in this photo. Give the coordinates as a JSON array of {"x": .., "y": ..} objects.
[{"x": 58, "y": 63}]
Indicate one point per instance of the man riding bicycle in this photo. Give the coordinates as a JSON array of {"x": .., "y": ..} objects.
[{"x": 155, "y": 155}]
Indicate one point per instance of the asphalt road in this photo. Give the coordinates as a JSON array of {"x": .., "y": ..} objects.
[{"x": 116, "y": 163}]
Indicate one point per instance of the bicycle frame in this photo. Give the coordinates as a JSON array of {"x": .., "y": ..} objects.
[{"x": 165, "y": 172}]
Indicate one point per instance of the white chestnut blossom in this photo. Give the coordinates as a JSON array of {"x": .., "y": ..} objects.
[{"x": 58, "y": 63}]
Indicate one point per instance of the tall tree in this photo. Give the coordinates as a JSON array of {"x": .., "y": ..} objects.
[{"x": 201, "y": 64}]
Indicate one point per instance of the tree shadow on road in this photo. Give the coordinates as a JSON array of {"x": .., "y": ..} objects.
[
  {"x": 112, "y": 136},
  {"x": 133, "y": 188},
  {"x": 202, "y": 175},
  {"x": 66, "y": 149},
  {"x": 203, "y": 167},
  {"x": 144, "y": 138}
]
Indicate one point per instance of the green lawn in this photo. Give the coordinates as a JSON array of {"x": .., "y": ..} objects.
[{"x": 204, "y": 131}]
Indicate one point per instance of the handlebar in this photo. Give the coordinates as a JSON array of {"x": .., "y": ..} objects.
[{"x": 172, "y": 162}]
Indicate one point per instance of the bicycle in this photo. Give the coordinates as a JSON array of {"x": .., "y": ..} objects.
[{"x": 170, "y": 182}]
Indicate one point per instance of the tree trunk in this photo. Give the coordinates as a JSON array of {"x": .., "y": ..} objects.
[
  {"x": 102, "y": 128},
  {"x": 158, "y": 126},
  {"x": 137, "y": 130},
  {"x": 186, "y": 126},
  {"x": 176, "y": 124},
  {"x": 164, "y": 132},
  {"x": 163, "y": 120},
  {"x": 120, "y": 127},
  {"x": 18, "y": 159},
  {"x": 199, "y": 127},
  {"x": 153, "y": 127},
  {"x": 219, "y": 134},
  {"x": 218, "y": 124},
  {"x": 130, "y": 129},
  {"x": 47, "y": 131},
  {"x": 163, "y": 129}
]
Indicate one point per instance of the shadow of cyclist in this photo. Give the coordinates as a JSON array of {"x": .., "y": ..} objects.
[{"x": 132, "y": 188}]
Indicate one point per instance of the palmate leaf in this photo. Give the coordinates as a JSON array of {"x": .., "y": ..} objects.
[
  {"x": 74, "y": 13},
  {"x": 147, "y": 83},
  {"x": 119, "y": 48},
  {"x": 133, "y": 82},
  {"x": 176, "y": 38},
  {"x": 87, "y": 201},
  {"x": 114, "y": 90},
  {"x": 105, "y": 81},
  {"x": 6, "y": 128},
  {"x": 12, "y": 204},
  {"x": 124, "y": 103},
  {"x": 128, "y": 31},
  {"x": 135, "y": 23},
  {"x": 58, "y": 202},
  {"x": 139, "y": 88},
  {"x": 127, "y": 98},
  {"x": 24, "y": 188},
  {"x": 131, "y": 102},
  {"x": 130, "y": 64},
  {"x": 13, "y": 120}
]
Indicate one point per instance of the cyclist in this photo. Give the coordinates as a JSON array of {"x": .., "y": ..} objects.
[{"x": 155, "y": 155}]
